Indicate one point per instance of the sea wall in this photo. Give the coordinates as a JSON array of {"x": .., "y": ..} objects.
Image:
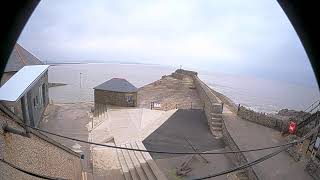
[
  {"x": 262, "y": 119},
  {"x": 213, "y": 107},
  {"x": 209, "y": 100},
  {"x": 38, "y": 154}
]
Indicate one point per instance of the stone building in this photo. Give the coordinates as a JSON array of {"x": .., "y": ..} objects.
[
  {"x": 116, "y": 91},
  {"x": 26, "y": 93},
  {"x": 19, "y": 58}
]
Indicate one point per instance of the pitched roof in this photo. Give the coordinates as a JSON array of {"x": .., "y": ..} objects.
[
  {"x": 117, "y": 85},
  {"x": 20, "y": 57},
  {"x": 21, "y": 82}
]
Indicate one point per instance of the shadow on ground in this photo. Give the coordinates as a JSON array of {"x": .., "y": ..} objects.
[{"x": 190, "y": 124}]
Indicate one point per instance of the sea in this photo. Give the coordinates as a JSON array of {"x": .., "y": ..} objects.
[{"x": 263, "y": 95}]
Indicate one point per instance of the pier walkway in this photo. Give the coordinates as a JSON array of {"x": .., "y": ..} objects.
[{"x": 249, "y": 135}]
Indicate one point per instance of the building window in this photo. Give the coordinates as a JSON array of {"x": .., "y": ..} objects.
[
  {"x": 12, "y": 109},
  {"x": 40, "y": 96},
  {"x": 43, "y": 94},
  {"x": 35, "y": 101},
  {"x": 129, "y": 99}
]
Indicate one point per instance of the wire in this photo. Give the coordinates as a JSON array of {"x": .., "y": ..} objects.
[
  {"x": 158, "y": 152},
  {"x": 166, "y": 152},
  {"x": 268, "y": 156},
  {"x": 312, "y": 104},
  {"x": 245, "y": 165},
  {"x": 31, "y": 173},
  {"x": 163, "y": 152}
]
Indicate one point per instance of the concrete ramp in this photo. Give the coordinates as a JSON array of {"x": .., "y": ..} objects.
[
  {"x": 149, "y": 116},
  {"x": 129, "y": 124},
  {"x": 135, "y": 116},
  {"x": 154, "y": 122}
]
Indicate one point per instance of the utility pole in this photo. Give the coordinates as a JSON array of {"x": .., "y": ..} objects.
[{"x": 80, "y": 80}]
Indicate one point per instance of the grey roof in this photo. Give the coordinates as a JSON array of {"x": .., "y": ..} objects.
[
  {"x": 19, "y": 58},
  {"x": 117, "y": 85}
]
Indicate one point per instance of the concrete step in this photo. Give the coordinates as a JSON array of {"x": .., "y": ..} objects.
[
  {"x": 124, "y": 166},
  {"x": 153, "y": 166},
  {"x": 216, "y": 128},
  {"x": 112, "y": 175},
  {"x": 132, "y": 170},
  {"x": 136, "y": 163},
  {"x": 216, "y": 119},
  {"x": 216, "y": 124},
  {"x": 143, "y": 163},
  {"x": 214, "y": 115},
  {"x": 217, "y": 134}
]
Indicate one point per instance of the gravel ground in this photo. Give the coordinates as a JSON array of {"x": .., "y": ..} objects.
[{"x": 171, "y": 93}]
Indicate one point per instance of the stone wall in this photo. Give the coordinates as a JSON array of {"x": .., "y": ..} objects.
[
  {"x": 38, "y": 154},
  {"x": 177, "y": 75},
  {"x": 213, "y": 107},
  {"x": 210, "y": 102},
  {"x": 262, "y": 119},
  {"x": 114, "y": 98},
  {"x": 186, "y": 72}
]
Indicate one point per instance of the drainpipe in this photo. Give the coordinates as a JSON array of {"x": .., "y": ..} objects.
[
  {"x": 6, "y": 129},
  {"x": 25, "y": 114}
]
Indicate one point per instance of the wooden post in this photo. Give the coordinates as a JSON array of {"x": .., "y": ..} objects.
[{"x": 222, "y": 104}]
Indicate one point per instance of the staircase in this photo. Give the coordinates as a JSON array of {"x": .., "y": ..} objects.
[
  {"x": 100, "y": 115},
  {"x": 138, "y": 165},
  {"x": 215, "y": 124}
]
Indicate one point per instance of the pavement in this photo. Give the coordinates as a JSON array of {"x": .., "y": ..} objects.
[
  {"x": 249, "y": 135},
  {"x": 184, "y": 123},
  {"x": 199, "y": 167},
  {"x": 126, "y": 125},
  {"x": 70, "y": 120}
]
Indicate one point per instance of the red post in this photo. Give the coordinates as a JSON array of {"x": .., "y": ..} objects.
[{"x": 292, "y": 127}]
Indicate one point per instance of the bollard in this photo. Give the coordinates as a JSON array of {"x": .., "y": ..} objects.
[{"x": 222, "y": 104}]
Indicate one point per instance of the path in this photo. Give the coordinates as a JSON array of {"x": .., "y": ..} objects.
[
  {"x": 250, "y": 135},
  {"x": 70, "y": 120}
]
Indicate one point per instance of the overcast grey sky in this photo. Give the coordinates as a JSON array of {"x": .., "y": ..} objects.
[{"x": 251, "y": 37}]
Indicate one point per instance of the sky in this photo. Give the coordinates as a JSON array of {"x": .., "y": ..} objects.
[{"x": 247, "y": 37}]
